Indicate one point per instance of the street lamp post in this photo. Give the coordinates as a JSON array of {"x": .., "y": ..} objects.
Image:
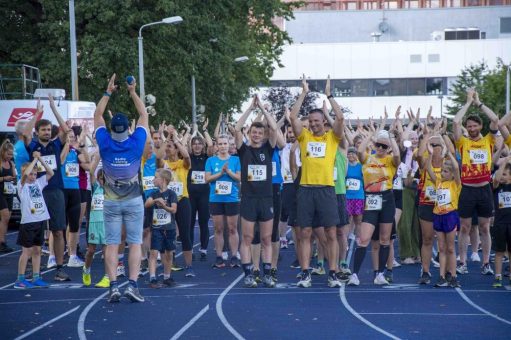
[{"x": 168, "y": 21}]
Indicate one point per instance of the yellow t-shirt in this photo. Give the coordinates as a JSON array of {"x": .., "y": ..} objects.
[
  {"x": 447, "y": 196},
  {"x": 179, "y": 177},
  {"x": 508, "y": 141},
  {"x": 476, "y": 159},
  {"x": 378, "y": 173},
  {"x": 318, "y": 157}
]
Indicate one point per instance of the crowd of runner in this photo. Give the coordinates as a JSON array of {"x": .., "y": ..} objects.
[{"x": 423, "y": 182}]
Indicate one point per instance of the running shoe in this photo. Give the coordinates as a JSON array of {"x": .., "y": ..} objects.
[
  {"x": 333, "y": 281},
  {"x": 115, "y": 295},
  {"x": 4, "y": 248},
  {"x": 408, "y": 260},
  {"x": 295, "y": 264},
  {"x": 203, "y": 254},
  {"x": 344, "y": 268},
  {"x": 189, "y": 272},
  {"x": 305, "y": 280},
  {"x": 219, "y": 263},
  {"x": 75, "y": 262},
  {"x": 144, "y": 265},
  {"x": 497, "y": 283},
  {"x": 45, "y": 250},
  {"x": 380, "y": 280},
  {"x": 268, "y": 281},
  {"x": 283, "y": 244},
  {"x": 273, "y": 274},
  {"x": 435, "y": 263},
  {"x": 225, "y": 255},
  {"x": 454, "y": 283},
  {"x": 249, "y": 281},
  {"x": 86, "y": 278},
  {"x": 395, "y": 264},
  {"x": 133, "y": 294},
  {"x": 121, "y": 271},
  {"x": 353, "y": 281},
  {"x": 23, "y": 285},
  {"x": 52, "y": 263},
  {"x": 40, "y": 283},
  {"x": 486, "y": 269},
  {"x": 425, "y": 278},
  {"x": 318, "y": 270},
  {"x": 290, "y": 242},
  {"x": 462, "y": 269},
  {"x": 61, "y": 275},
  {"x": 442, "y": 282},
  {"x": 343, "y": 276},
  {"x": 235, "y": 262},
  {"x": 153, "y": 283},
  {"x": 475, "y": 257},
  {"x": 103, "y": 283},
  {"x": 176, "y": 267},
  {"x": 169, "y": 282},
  {"x": 389, "y": 276},
  {"x": 257, "y": 276}
]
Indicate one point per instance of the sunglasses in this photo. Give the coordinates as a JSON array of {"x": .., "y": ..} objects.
[
  {"x": 435, "y": 145},
  {"x": 380, "y": 145}
]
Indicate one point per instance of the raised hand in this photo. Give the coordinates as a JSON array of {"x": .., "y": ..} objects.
[
  {"x": 111, "y": 88},
  {"x": 305, "y": 86},
  {"x": 327, "y": 87}
]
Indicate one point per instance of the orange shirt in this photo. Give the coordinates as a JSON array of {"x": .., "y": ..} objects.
[
  {"x": 378, "y": 173},
  {"x": 427, "y": 187},
  {"x": 476, "y": 159}
]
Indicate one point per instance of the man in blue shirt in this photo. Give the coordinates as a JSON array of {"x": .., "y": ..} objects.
[{"x": 121, "y": 155}]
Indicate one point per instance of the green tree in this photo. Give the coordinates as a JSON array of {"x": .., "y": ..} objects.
[
  {"x": 205, "y": 44},
  {"x": 281, "y": 97}
]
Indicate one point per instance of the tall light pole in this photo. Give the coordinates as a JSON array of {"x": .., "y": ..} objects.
[
  {"x": 168, "y": 21},
  {"x": 72, "y": 39}
]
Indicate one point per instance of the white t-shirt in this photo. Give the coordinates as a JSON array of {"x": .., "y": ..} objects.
[
  {"x": 32, "y": 205},
  {"x": 284, "y": 162}
]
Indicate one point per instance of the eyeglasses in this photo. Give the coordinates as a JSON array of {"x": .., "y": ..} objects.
[
  {"x": 380, "y": 145},
  {"x": 435, "y": 145}
]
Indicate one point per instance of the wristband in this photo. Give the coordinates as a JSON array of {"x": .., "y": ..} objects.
[
  {"x": 480, "y": 105},
  {"x": 106, "y": 94},
  {"x": 329, "y": 97}
]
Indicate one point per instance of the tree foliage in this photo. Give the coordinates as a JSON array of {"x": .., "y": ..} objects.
[
  {"x": 212, "y": 34},
  {"x": 281, "y": 97}
]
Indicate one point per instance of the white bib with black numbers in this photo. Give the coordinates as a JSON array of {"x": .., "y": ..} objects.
[
  {"x": 478, "y": 156},
  {"x": 37, "y": 205},
  {"x": 223, "y": 187},
  {"x": 72, "y": 169},
  {"x": 504, "y": 200},
  {"x": 148, "y": 182},
  {"x": 198, "y": 177},
  {"x": 50, "y": 160},
  {"x": 316, "y": 149},
  {"x": 97, "y": 202},
  {"x": 374, "y": 202},
  {"x": 335, "y": 174},
  {"x": 397, "y": 184},
  {"x": 430, "y": 193},
  {"x": 287, "y": 176},
  {"x": 256, "y": 173},
  {"x": 9, "y": 188},
  {"x": 352, "y": 184},
  {"x": 443, "y": 197},
  {"x": 177, "y": 187},
  {"x": 161, "y": 217}
]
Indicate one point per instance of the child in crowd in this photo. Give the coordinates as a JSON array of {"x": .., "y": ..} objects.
[
  {"x": 446, "y": 220},
  {"x": 163, "y": 233},
  {"x": 34, "y": 215},
  {"x": 96, "y": 233},
  {"x": 502, "y": 223}
]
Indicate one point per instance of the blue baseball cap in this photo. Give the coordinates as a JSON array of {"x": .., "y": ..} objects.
[{"x": 119, "y": 126}]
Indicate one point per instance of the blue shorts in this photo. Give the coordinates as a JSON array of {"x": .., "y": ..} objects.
[
  {"x": 129, "y": 213},
  {"x": 163, "y": 240},
  {"x": 447, "y": 222}
]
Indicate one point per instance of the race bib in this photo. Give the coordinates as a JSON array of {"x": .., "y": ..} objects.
[
  {"x": 273, "y": 169},
  {"x": 37, "y": 205},
  {"x": 443, "y": 197},
  {"x": 50, "y": 160},
  {"x": 504, "y": 200},
  {"x": 148, "y": 182},
  {"x": 161, "y": 217},
  {"x": 9, "y": 188},
  {"x": 397, "y": 184},
  {"x": 15, "y": 203},
  {"x": 198, "y": 177},
  {"x": 177, "y": 187},
  {"x": 223, "y": 187},
  {"x": 478, "y": 156},
  {"x": 288, "y": 177},
  {"x": 430, "y": 194},
  {"x": 373, "y": 202},
  {"x": 316, "y": 149},
  {"x": 97, "y": 202},
  {"x": 256, "y": 173},
  {"x": 335, "y": 174},
  {"x": 352, "y": 184},
  {"x": 72, "y": 169}
]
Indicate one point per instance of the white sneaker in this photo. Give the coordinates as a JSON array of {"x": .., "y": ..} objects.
[
  {"x": 75, "y": 262},
  {"x": 395, "y": 264},
  {"x": 238, "y": 255},
  {"x": 435, "y": 263},
  {"x": 225, "y": 256},
  {"x": 121, "y": 271},
  {"x": 353, "y": 281},
  {"x": 380, "y": 280},
  {"x": 52, "y": 263},
  {"x": 475, "y": 257}
]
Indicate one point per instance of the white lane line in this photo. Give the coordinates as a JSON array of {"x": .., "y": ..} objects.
[
  {"x": 479, "y": 308},
  {"x": 220, "y": 312},
  {"x": 342, "y": 295},
  {"x": 81, "y": 321},
  {"x": 190, "y": 323},
  {"x": 11, "y": 253},
  {"x": 27, "y": 334},
  {"x": 11, "y": 233},
  {"x": 428, "y": 314}
]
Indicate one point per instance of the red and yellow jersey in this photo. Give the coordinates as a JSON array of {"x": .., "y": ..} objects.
[
  {"x": 427, "y": 187},
  {"x": 378, "y": 173},
  {"x": 447, "y": 196},
  {"x": 476, "y": 159}
]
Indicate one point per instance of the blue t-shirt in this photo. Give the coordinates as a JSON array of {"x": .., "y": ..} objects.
[
  {"x": 224, "y": 189},
  {"x": 70, "y": 170},
  {"x": 51, "y": 155},
  {"x": 354, "y": 180},
  {"x": 276, "y": 174},
  {"x": 148, "y": 172},
  {"x": 20, "y": 156},
  {"x": 121, "y": 163}
]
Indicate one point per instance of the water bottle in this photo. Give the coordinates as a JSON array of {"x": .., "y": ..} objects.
[{"x": 130, "y": 80}]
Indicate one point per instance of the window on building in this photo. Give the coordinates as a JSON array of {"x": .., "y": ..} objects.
[
  {"x": 360, "y": 87},
  {"x": 316, "y": 85},
  {"x": 381, "y": 87},
  {"x": 411, "y": 3},
  {"x": 434, "y": 58},
  {"x": 351, "y": 5},
  {"x": 398, "y": 87},
  {"x": 341, "y": 88},
  {"x": 415, "y": 58},
  {"x": 434, "y": 85},
  {"x": 416, "y": 86},
  {"x": 505, "y": 25}
]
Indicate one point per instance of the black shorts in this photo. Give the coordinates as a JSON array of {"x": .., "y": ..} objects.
[
  {"x": 85, "y": 195},
  {"x": 6, "y": 202},
  {"x": 317, "y": 207},
  {"x": 73, "y": 207},
  {"x": 387, "y": 212},
  {"x": 343, "y": 213},
  {"x": 54, "y": 199},
  {"x": 376, "y": 232},
  {"x": 163, "y": 240},
  {"x": 426, "y": 213},
  {"x": 475, "y": 199},
  {"x": 288, "y": 197},
  {"x": 148, "y": 217},
  {"x": 255, "y": 209},
  {"x": 224, "y": 208},
  {"x": 501, "y": 237},
  {"x": 398, "y": 199},
  {"x": 31, "y": 234}
]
